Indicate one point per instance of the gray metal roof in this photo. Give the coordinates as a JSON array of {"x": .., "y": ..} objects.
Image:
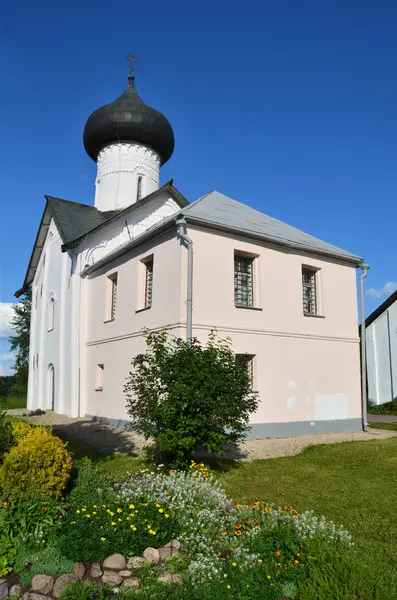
[
  {"x": 73, "y": 219},
  {"x": 216, "y": 209}
]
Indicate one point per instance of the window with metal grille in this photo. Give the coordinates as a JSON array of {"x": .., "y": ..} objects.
[
  {"x": 309, "y": 291},
  {"x": 148, "y": 283},
  {"x": 248, "y": 361},
  {"x": 139, "y": 187},
  {"x": 113, "y": 296},
  {"x": 100, "y": 377},
  {"x": 243, "y": 280}
]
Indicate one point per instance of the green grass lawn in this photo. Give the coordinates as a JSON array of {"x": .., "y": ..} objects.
[
  {"x": 12, "y": 402},
  {"x": 389, "y": 426}
]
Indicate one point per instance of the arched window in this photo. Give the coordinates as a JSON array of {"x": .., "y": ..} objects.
[
  {"x": 51, "y": 313},
  {"x": 139, "y": 188}
]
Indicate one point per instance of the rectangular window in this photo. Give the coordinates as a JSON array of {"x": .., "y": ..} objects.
[
  {"x": 112, "y": 297},
  {"x": 243, "y": 280},
  {"x": 248, "y": 360},
  {"x": 99, "y": 377},
  {"x": 148, "y": 283},
  {"x": 309, "y": 285},
  {"x": 51, "y": 314}
]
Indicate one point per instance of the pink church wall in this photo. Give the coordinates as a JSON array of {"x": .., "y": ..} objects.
[{"x": 306, "y": 369}]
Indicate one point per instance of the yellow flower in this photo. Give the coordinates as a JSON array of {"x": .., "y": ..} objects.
[
  {"x": 113, "y": 523},
  {"x": 166, "y": 515},
  {"x": 94, "y": 512},
  {"x": 234, "y": 564},
  {"x": 103, "y": 539},
  {"x": 84, "y": 509},
  {"x": 161, "y": 510},
  {"x": 158, "y": 505},
  {"x": 119, "y": 519},
  {"x": 95, "y": 506},
  {"x": 131, "y": 506},
  {"x": 103, "y": 505},
  {"x": 228, "y": 586},
  {"x": 73, "y": 523},
  {"x": 88, "y": 516},
  {"x": 111, "y": 513},
  {"x": 133, "y": 527},
  {"x": 119, "y": 510},
  {"x": 77, "y": 512},
  {"x": 268, "y": 576}
]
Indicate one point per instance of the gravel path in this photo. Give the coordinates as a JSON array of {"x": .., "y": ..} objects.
[{"x": 107, "y": 439}]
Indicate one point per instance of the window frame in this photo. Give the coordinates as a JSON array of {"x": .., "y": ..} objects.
[
  {"x": 51, "y": 313},
  {"x": 99, "y": 377},
  {"x": 251, "y": 359},
  {"x": 142, "y": 303},
  {"x": 111, "y": 297},
  {"x": 314, "y": 273},
  {"x": 254, "y": 260},
  {"x": 139, "y": 187}
]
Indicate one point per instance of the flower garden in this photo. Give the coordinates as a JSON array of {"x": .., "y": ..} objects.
[{"x": 68, "y": 530}]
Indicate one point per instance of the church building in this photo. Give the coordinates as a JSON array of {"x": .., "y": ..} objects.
[{"x": 143, "y": 256}]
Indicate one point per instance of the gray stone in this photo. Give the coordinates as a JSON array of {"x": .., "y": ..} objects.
[
  {"x": 152, "y": 555},
  {"x": 61, "y": 584},
  {"x": 116, "y": 561},
  {"x": 125, "y": 573},
  {"x": 131, "y": 582},
  {"x": 176, "y": 544},
  {"x": 176, "y": 578},
  {"x": 111, "y": 578},
  {"x": 116, "y": 590},
  {"x": 165, "y": 577},
  {"x": 15, "y": 591},
  {"x": 166, "y": 552},
  {"x": 135, "y": 562},
  {"x": 3, "y": 589},
  {"x": 95, "y": 570},
  {"x": 79, "y": 570},
  {"x": 42, "y": 584}
]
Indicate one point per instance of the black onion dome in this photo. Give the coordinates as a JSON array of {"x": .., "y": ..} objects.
[{"x": 128, "y": 119}]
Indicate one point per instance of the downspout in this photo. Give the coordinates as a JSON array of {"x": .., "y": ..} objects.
[
  {"x": 364, "y": 268},
  {"x": 181, "y": 225}
]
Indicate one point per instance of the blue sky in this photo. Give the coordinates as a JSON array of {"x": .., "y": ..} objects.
[{"x": 288, "y": 106}]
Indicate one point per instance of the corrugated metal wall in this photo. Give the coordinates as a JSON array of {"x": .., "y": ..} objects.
[{"x": 382, "y": 357}]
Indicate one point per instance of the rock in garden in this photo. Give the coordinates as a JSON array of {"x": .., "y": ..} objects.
[
  {"x": 166, "y": 552},
  {"x": 135, "y": 562},
  {"x": 33, "y": 596},
  {"x": 176, "y": 544},
  {"x": 152, "y": 555},
  {"x": 116, "y": 561},
  {"x": 79, "y": 570},
  {"x": 116, "y": 590},
  {"x": 111, "y": 578},
  {"x": 3, "y": 589},
  {"x": 61, "y": 584},
  {"x": 165, "y": 577},
  {"x": 42, "y": 584},
  {"x": 95, "y": 570},
  {"x": 131, "y": 582},
  {"x": 125, "y": 573},
  {"x": 15, "y": 590},
  {"x": 176, "y": 578}
]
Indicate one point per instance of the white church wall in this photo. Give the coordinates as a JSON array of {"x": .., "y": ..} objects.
[{"x": 128, "y": 226}]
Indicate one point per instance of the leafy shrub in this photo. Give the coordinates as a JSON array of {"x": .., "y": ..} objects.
[
  {"x": 185, "y": 396},
  {"x": 8, "y": 552},
  {"x": 89, "y": 486},
  {"x": 48, "y": 560},
  {"x": 386, "y": 408},
  {"x": 91, "y": 533},
  {"x": 82, "y": 591},
  {"x": 39, "y": 464},
  {"x": 5, "y": 435}
]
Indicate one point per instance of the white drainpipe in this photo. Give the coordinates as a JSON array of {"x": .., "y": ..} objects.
[
  {"x": 181, "y": 225},
  {"x": 364, "y": 268}
]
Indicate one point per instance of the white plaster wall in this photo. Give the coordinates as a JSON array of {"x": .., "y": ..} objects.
[
  {"x": 381, "y": 336},
  {"x": 53, "y": 279},
  {"x": 119, "y": 166}
]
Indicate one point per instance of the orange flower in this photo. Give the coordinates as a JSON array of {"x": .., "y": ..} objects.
[
  {"x": 224, "y": 532},
  {"x": 43, "y": 508},
  {"x": 296, "y": 562},
  {"x": 277, "y": 553},
  {"x": 288, "y": 507},
  {"x": 238, "y": 532},
  {"x": 237, "y": 506},
  {"x": 278, "y": 565},
  {"x": 238, "y": 526},
  {"x": 297, "y": 555}
]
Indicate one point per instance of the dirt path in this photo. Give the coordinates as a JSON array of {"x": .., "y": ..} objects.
[{"x": 106, "y": 439}]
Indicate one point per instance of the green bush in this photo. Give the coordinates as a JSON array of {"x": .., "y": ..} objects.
[
  {"x": 92, "y": 532},
  {"x": 80, "y": 591},
  {"x": 89, "y": 486},
  {"x": 48, "y": 560},
  {"x": 185, "y": 395},
  {"x": 5, "y": 435},
  {"x": 39, "y": 464},
  {"x": 386, "y": 408}
]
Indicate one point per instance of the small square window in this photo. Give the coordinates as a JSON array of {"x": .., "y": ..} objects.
[
  {"x": 248, "y": 360},
  {"x": 111, "y": 297},
  {"x": 309, "y": 291},
  {"x": 243, "y": 280},
  {"x": 99, "y": 377}
]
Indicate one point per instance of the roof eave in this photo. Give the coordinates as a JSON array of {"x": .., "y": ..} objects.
[{"x": 352, "y": 259}]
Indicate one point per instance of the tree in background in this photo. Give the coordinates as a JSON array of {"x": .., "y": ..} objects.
[
  {"x": 186, "y": 396},
  {"x": 19, "y": 343}
]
